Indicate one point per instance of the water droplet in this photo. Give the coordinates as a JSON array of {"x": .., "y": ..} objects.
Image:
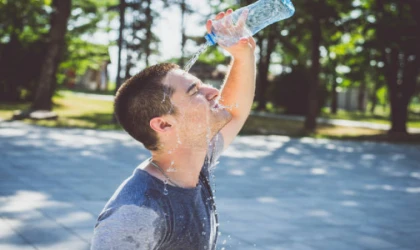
[
  {"x": 164, "y": 96},
  {"x": 165, "y": 189},
  {"x": 203, "y": 233},
  {"x": 224, "y": 242}
]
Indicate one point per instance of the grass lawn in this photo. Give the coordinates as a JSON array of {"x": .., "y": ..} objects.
[
  {"x": 73, "y": 112},
  {"x": 82, "y": 112}
]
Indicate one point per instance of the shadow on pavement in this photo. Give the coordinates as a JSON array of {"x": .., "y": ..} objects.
[{"x": 272, "y": 192}]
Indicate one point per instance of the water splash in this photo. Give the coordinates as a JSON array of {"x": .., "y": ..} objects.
[
  {"x": 171, "y": 168},
  {"x": 191, "y": 62},
  {"x": 165, "y": 188}
]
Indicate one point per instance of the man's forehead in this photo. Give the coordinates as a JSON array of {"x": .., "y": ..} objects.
[{"x": 178, "y": 77}]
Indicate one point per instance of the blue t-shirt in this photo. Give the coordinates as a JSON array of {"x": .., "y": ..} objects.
[{"x": 140, "y": 216}]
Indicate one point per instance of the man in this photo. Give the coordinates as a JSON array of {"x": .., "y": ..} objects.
[{"x": 167, "y": 203}]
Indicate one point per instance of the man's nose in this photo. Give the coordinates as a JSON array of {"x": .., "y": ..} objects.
[{"x": 211, "y": 93}]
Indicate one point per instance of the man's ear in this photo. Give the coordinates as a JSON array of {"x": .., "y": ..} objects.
[{"x": 160, "y": 124}]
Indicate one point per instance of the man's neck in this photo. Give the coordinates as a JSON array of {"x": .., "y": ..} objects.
[{"x": 182, "y": 165}]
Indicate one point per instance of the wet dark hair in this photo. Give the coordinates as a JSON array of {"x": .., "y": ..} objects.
[{"x": 142, "y": 98}]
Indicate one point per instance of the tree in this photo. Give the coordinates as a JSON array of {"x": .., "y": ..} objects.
[
  {"x": 311, "y": 28},
  {"x": 121, "y": 7},
  {"x": 185, "y": 9},
  {"x": 23, "y": 29},
  {"x": 398, "y": 39},
  {"x": 47, "y": 80},
  {"x": 266, "y": 41}
]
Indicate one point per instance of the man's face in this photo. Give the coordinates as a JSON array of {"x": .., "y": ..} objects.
[{"x": 199, "y": 113}]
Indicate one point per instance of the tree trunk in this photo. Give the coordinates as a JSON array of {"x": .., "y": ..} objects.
[
  {"x": 402, "y": 93},
  {"x": 10, "y": 66},
  {"x": 263, "y": 66},
  {"x": 183, "y": 36},
  {"x": 118, "y": 82},
  {"x": 312, "y": 111},
  {"x": 334, "y": 93},
  {"x": 374, "y": 98},
  {"x": 122, "y": 8},
  {"x": 47, "y": 79},
  {"x": 361, "y": 97},
  {"x": 149, "y": 21}
]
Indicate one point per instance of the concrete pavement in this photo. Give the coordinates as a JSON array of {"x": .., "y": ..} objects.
[{"x": 272, "y": 192}]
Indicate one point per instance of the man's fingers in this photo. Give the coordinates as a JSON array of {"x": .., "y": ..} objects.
[
  {"x": 243, "y": 40},
  {"x": 208, "y": 26},
  {"x": 252, "y": 42},
  {"x": 220, "y": 15},
  {"x": 242, "y": 18},
  {"x": 228, "y": 18}
]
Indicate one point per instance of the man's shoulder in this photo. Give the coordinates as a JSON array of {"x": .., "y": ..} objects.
[
  {"x": 139, "y": 190},
  {"x": 129, "y": 227}
]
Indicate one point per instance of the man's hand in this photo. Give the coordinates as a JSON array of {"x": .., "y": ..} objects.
[{"x": 245, "y": 48}]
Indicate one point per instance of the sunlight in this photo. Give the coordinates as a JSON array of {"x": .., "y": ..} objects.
[
  {"x": 349, "y": 204},
  {"x": 292, "y": 150},
  {"x": 308, "y": 140},
  {"x": 413, "y": 190},
  {"x": 11, "y": 132},
  {"x": 267, "y": 199},
  {"x": 318, "y": 171},
  {"x": 266, "y": 169},
  {"x": 318, "y": 213},
  {"x": 23, "y": 200},
  {"x": 415, "y": 175},
  {"x": 368, "y": 157},
  {"x": 237, "y": 172},
  {"x": 348, "y": 192},
  {"x": 76, "y": 217},
  {"x": 397, "y": 157},
  {"x": 289, "y": 162}
]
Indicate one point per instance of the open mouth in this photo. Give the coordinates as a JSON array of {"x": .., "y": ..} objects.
[{"x": 216, "y": 107}]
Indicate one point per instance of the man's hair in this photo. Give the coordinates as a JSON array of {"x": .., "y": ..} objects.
[{"x": 141, "y": 98}]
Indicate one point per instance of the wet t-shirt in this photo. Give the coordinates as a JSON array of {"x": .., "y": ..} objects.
[{"x": 141, "y": 216}]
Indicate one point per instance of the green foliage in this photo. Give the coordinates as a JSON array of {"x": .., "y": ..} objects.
[
  {"x": 85, "y": 20},
  {"x": 82, "y": 55},
  {"x": 212, "y": 55}
]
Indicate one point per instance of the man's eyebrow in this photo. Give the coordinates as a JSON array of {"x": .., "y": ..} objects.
[{"x": 191, "y": 87}]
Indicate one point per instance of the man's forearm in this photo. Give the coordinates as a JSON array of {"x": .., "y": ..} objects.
[{"x": 239, "y": 87}]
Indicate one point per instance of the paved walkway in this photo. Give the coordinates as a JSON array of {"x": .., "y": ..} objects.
[
  {"x": 337, "y": 122},
  {"x": 273, "y": 192}
]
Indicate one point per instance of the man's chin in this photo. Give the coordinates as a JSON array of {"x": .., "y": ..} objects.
[{"x": 227, "y": 117}]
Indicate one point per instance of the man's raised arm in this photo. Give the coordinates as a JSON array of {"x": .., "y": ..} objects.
[{"x": 239, "y": 87}]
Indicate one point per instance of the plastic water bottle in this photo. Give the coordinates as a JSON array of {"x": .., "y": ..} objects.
[{"x": 259, "y": 15}]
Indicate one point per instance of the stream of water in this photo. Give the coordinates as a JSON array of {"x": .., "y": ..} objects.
[{"x": 191, "y": 62}]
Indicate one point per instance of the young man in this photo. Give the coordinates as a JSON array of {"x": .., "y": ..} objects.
[{"x": 167, "y": 203}]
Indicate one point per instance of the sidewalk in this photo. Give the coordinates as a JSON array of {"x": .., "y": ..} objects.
[
  {"x": 272, "y": 192},
  {"x": 338, "y": 122}
]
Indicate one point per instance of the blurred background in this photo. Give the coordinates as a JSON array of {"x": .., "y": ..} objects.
[{"x": 336, "y": 69}]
